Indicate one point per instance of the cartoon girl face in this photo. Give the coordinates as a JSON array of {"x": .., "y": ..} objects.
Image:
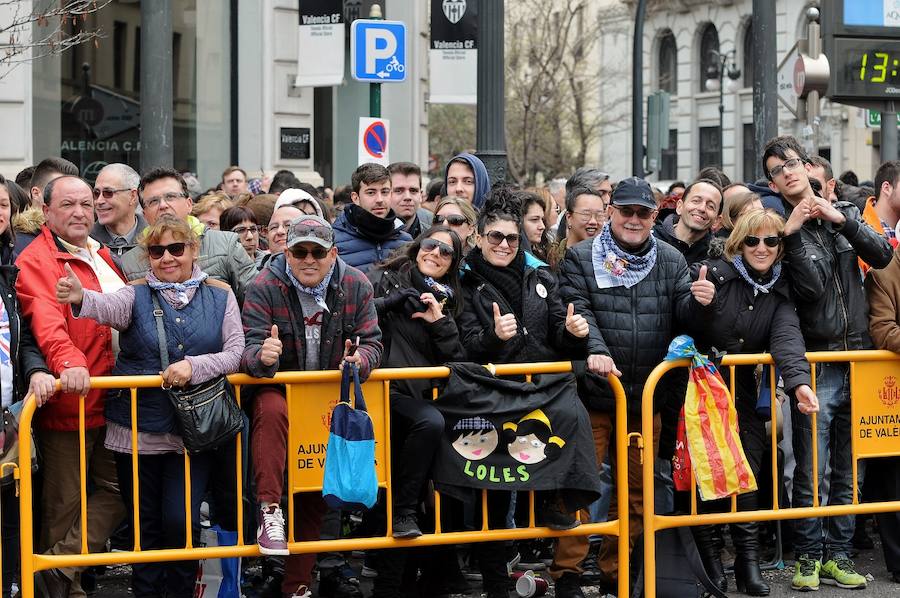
[
  {"x": 475, "y": 445},
  {"x": 527, "y": 449}
]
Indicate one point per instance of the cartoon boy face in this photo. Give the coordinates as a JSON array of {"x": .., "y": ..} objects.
[
  {"x": 475, "y": 445},
  {"x": 527, "y": 449}
]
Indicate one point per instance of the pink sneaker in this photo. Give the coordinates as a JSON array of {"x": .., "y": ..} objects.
[{"x": 270, "y": 533}]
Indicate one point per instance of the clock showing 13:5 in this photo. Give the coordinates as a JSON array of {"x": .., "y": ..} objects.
[{"x": 876, "y": 67}]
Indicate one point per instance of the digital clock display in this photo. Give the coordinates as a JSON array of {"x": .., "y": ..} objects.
[{"x": 866, "y": 68}]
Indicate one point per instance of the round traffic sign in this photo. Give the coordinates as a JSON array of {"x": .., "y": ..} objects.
[{"x": 375, "y": 139}]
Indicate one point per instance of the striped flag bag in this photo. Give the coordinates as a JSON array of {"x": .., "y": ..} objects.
[{"x": 711, "y": 430}]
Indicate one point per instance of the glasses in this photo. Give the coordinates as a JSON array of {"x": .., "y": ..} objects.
[
  {"x": 169, "y": 198},
  {"x": 429, "y": 245},
  {"x": 243, "y": 230},
  {"x": 495, "y": 237},
  {"x": 305, "y": 231},
  {"x": 629, "y": 212},
  {"x": 318, "y": 252},
  {"x": 790, "y": 165},
  {"x": 107, "y": 192},
  {"x": 586, "y": 215},
  {"x": 753, "y": 241},
  {"x": 451, "y": 220},
  {"x": 174, "y": 249}
]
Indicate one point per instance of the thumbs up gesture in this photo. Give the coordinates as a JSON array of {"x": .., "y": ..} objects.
[
  {"x": 68, "y": 288},
  {"x": 504, "y": 325},
  {"x": 703, "y": 290},
  {"x": 575, "y": 324},
  {"x": 271, "y": 349}
]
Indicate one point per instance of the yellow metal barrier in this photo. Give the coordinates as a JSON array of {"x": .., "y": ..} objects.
[
  {"x": 874, "y": 391},
  {"x": 304, "y": 391}
]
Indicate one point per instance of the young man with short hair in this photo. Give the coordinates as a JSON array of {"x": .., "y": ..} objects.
[
  {"x": 406, "y": 197},
  {"x": 822, "y": 242}
]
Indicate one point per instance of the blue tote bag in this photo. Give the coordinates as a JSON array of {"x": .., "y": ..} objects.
[{"x": 350, "y": 482}]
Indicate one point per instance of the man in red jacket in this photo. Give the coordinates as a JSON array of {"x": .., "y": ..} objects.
[{"x": 75, "y": 349}]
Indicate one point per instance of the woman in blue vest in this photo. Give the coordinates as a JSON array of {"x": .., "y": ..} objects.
[{"x": 205, "y": 340}]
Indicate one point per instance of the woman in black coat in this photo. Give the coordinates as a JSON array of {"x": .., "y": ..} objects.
[
  {"x": 417, "y": 294},
  {"x": 753, "y": 313},
  {"x": 22, "y": 371}
]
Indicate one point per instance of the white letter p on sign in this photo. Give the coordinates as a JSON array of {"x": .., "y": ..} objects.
[{"x": 374, "y": 53}]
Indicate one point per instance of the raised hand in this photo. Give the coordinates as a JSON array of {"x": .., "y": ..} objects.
[
  {"x": 575, "y": 324},
  {"x": 271, "y": 348},
  {"x": 703, "y": 290},
  {"x": 822, "y": 208},
  {"x": 504, "y": 325},
  {"x": 68, "y": 288}
]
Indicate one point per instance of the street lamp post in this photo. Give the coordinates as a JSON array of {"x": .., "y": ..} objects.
[{"x": 715, "y": 78}]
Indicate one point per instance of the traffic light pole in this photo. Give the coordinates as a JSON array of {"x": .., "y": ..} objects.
[{"x": 765, "y": 103}]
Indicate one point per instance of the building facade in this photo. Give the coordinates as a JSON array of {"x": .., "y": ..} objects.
[
  {"x": 682, "y": 40},
  {"x": 234, "y": 63}
]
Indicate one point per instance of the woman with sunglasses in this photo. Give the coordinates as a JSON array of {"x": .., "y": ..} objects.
[
  {"x": 460, "y": 216},
  {"x": 205, "y": 340},
  {"x": 752, "y": 313},
  {"x": 417, "y": 295}
]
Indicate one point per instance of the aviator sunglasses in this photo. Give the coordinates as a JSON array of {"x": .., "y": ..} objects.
[
  {"x": 174, "y": 249},
  {"x": 428, "y": 245},
  {"x": 452, "y": 220},
  {"x": 753, "y": 241}
]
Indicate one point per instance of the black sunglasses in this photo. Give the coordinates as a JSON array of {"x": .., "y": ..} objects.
[
  {"x": 753, "y": 241},
  {"x": 428, "y": 245},
  {"x": 495, "y": 237},
  {"x": 318, "y": 252},
  {"x": 174, "y": 249},
  {"x": 107, "y": 193},
  {"x": 452, "y": 220}
]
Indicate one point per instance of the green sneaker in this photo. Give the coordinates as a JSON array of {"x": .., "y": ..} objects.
[
  {"x": 839, "y": 572},
  {"x": 806, "y": 574}
]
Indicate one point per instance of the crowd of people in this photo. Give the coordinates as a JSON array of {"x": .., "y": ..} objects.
[{"x": 266, "y": 276}]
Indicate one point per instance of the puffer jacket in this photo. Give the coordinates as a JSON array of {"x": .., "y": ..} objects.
[
  {"x": 361, "y": 251},
  {"x": 221, "y": 257},
  {"x": 542, "y": 334},
  {"x": 740, "y": 322},
  {"x": 633, "y": 326},
  {"x": 827, "y": 282}
]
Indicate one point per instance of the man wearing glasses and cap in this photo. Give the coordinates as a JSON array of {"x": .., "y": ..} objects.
[
  {"x": 634, "y": 291},
  {"x": 303, "y": 312}
]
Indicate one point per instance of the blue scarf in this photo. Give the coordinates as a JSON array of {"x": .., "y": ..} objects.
[
  {"x": 178, "y": 294},
  {"x": 318, "y": 292},
  {"x": 738, "y": 263},
  {"x": 614, "y": 267}
]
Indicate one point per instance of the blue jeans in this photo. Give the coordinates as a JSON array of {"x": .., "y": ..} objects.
[{"x": 833, "y": 433}]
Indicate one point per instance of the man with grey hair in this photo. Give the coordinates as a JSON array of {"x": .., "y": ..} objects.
[{"x": 118, "y": 225}]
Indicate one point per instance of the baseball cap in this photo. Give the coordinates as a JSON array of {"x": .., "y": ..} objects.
[
  {"x": 633, "y": 192},
  {"x": 310, "y": 229}
]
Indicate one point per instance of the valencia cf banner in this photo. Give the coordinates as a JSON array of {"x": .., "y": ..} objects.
[{"x": 507, "y": 434}]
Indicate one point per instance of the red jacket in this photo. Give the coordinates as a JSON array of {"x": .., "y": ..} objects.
[{"x": 64, "y": 340}]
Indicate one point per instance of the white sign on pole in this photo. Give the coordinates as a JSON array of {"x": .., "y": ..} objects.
[
  {"x": 788, "y": 90},
  {"x": 321, "y": 35},
  {"x": 453, "y": 57},
  {"x": 373, "y": 140}
]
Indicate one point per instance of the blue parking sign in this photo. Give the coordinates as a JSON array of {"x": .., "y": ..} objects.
[{"x": 378, "y": 51}]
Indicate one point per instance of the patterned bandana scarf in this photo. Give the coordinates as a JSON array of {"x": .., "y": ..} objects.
[
  {"x": 614, "y": 267},
  {"x": 178, "y": 294},
  {"x": 318, "y": 291},
  {"x": 439, "y": 287},
  {"x": 738, "y": 263}
]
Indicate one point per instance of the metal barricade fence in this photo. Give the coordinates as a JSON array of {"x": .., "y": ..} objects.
[
  {"x": 307, "y": 386},
  {"x": 875, "y": 397}
]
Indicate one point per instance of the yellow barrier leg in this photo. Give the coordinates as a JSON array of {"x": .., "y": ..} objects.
[
  {"x": 621, "y": 482},
  {"x": 26, "y": 517},
  {"x": 82, "y": 461},
  {"x": 389, "y": 495},
  {"x": 135, "y": 483},
  {"x": 239, "y": 475}
]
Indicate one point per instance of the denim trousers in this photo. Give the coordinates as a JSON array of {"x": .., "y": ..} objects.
[{"x": 833, "y": 433}]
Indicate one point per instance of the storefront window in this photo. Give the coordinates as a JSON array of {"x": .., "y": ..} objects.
[{"x": 87, "y": 102}]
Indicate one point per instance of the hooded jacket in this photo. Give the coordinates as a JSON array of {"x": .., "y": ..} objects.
[
  {"x": 482, "y": 180},
  {"x": 363, "y": 239}
]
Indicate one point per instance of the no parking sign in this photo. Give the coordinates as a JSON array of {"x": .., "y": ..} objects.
[{"x": 373, "y": 140}]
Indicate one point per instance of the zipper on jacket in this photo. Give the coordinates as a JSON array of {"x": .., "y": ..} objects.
[{"x": 840, "y": 291}]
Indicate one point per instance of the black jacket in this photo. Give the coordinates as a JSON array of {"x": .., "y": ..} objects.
[
  {"x": 633, "y": 326},
  {"x": 742, "y": 323},
  {"x": 23, "y": 350},
  {"x": 665, "y": 230},
  {"x": 542, "y": 334},
  {"x": 827, "y": 282},
  {"x": 412, "y": 342}
]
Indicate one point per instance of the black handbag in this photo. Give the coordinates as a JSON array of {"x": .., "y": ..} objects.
[{"x": 208, "y": 414}]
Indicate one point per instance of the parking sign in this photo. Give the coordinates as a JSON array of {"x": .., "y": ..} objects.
[{"x": 378, "y": 51}]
